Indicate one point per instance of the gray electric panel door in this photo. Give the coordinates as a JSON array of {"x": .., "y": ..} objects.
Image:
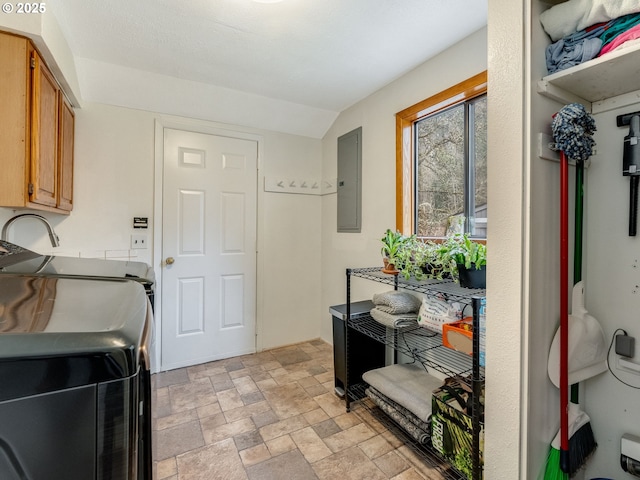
[{"x": 350, "y": 181}]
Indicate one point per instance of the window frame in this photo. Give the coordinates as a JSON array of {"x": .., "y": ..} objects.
[{"x": 405, "y": 142}]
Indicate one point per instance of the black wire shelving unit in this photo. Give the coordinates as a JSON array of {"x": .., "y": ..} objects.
[{"x": 426, "y": 347}]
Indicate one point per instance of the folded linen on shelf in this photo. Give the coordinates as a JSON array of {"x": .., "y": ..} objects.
[
  {"x": 395, "y": 302},
  {"x": 372, "y": 392},
  {"x": 407, "y": 384},
  {"x": 574, "y": 49},
  {"x": 593, "y": 41},
  {"x": 575, "y": 15},
  {"x": 618, "y": 26},
  {"x": 417, "y": 433},
  {"x": 628, "y": 44},
  {"x": 632, "y": 34},
  {"x": 402, "y": 320}
]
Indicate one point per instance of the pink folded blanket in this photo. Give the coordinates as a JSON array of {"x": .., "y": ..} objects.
[{"x": 631, "y": 34}]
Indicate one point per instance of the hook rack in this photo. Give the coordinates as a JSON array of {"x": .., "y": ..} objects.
[{"x": 305, "y": 186}]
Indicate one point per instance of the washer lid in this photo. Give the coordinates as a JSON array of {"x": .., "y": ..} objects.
[
  {"x": 63, "y": 332},
  {"x": 16, "y": 259}
]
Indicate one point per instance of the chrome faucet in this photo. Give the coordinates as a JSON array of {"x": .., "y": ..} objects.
[{"x": 55, "y": 241}]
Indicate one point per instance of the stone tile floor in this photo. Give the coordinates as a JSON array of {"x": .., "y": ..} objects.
[{"x": 271, "y": 416}]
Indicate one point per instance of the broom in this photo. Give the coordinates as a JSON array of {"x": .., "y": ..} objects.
[
  {"x": 582, "y": 442},
  {"x": 572, "y": 129},
  {"x": 558, "y": 459}
]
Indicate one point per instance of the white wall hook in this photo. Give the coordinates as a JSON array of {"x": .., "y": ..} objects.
[{"x": 299, "y": 186}]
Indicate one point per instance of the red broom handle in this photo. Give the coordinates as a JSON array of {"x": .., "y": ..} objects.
[{"x": 564, "y": 311}]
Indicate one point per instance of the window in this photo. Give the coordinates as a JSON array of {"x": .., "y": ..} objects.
[{"x": 441, "y": 171}]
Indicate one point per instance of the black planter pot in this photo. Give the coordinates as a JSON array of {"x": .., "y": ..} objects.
[
  {"x": 429, "y": 270},
  {"x": 472, "y": 278}
]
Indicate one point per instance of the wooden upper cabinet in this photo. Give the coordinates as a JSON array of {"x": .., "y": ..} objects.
[
  {"x": 65, "y": 154},
  {"x": 43, "y": 188},
  {"x": 38, "y": 170},
  {"x": 15, "y": 100}
]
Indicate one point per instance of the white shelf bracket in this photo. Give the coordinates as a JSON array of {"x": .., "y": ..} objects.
[{"x": 560, "y": 95}]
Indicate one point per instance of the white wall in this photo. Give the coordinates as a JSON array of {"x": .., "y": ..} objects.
[
  {"x": 507, "y": 256},
  {"x": 114, "y": 177},
  {"x": 114, "y": 181},
  {"x": 290, "y": 245},
  {"x": 509, "y": 393},
  {"x": 376, "y": 115},
  {"x": 612, "y": 296}
]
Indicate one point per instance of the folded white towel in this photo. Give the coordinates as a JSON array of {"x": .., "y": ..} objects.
[
  {"x": 396, "y": 301},
  {"x": 408, "y": 385},
  {"x": 400, "y": 320},
  {"x": 575, "y": 15}
]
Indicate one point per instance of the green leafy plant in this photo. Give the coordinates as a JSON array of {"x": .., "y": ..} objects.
[
  {"x": 421, "y": 259},
  {"x": 414, "y": 257},
  {"x": 404, "y": 260},
  {"x": 392, "y": 245},
  {"x": 459, "y": 248},
  {"x": 434, "y": 264}
]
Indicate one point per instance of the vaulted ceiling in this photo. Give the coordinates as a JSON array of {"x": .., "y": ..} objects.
[{"x": 323, "y": 55}]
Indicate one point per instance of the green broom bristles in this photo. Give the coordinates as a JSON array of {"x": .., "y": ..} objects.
[
  {"x": 553, "y": 470},
  {"x": 582, "y": 445}
]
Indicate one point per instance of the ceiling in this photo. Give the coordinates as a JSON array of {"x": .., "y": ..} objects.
[{"x": 324, "y": 54}]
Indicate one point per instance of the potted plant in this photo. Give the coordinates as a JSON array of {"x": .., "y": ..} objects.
[
  {"x": 404, "y": 260},
  {"x": 392, "y": 250},
  {"x": 420, "y": 259},
  {"x": 470, "y": 258},
  {"x": 414, "y": 258},
  {"x": 434, "y": 262}
]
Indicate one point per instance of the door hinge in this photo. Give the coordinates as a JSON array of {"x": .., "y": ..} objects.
[
  {"x": 31, "y": 189},
  {"x": 33, "y": 62}
]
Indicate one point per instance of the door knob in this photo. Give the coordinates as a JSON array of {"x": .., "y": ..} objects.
[{"x": 169, "y": 260}]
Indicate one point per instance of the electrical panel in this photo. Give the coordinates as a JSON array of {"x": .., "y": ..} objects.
[{"x": 350, "y": 181}]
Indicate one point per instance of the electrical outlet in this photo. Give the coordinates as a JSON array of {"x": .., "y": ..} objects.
[{"x": 138, "y": 241}]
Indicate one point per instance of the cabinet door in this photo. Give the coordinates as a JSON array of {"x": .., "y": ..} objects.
[
  {"x": 44, "y": 135},
  {"x": 14, "y": 114},
  {"x": 65, "y": 155}
]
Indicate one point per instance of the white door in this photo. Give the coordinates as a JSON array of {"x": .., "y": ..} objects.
[{"x": 209, "y": 248}]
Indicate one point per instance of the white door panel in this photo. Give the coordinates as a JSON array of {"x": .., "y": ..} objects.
[{"x": 209, "y": 229}]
